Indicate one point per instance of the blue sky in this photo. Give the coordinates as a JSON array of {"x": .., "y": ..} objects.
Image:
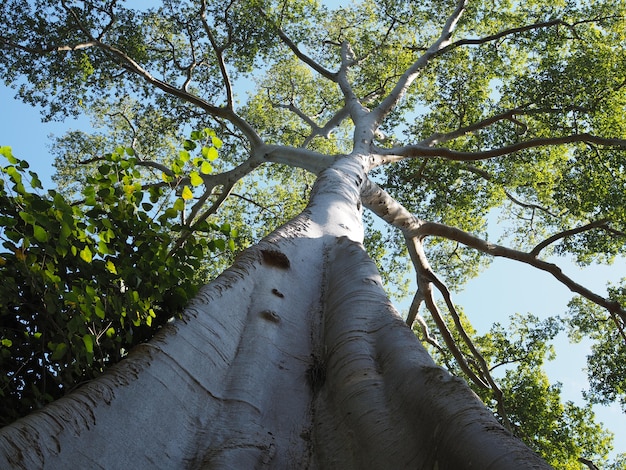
[{"x": 505, "y": 288}]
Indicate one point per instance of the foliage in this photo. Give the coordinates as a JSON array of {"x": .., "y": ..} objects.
[
  {"x": 561, "y": 432},
  {"x": 84, "y": 283},
  {"x": 606, "y": 365}
]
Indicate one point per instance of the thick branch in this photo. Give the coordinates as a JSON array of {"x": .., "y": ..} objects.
[
  {"x": 216, "y": 111},
  {"x": 407, "y": 78},
  {"x": 420, "y": 150},
  {"x": 521, "y": 29},
  {"x": 381, "y": 203},
  {"x": 425, "y": 279},
  {"x": 298, "y": 53},
  {"x": 6, "y": 42},
  {"x": 218, "y": 54},
  {"x": 131, "y": 65},
  {"x": 509, "y": 115},
  {"x": 603, "y": 223},
  {"x": 306, "y": 159},
  {"x": 588, "y": 463},
  {"x": 328, "y": 128},
  {"x": 451, "y": 233}
]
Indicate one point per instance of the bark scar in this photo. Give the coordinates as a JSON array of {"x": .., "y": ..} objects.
[
  {"x": 275, "y": 258},
  {"x": 270, "y": 315}
]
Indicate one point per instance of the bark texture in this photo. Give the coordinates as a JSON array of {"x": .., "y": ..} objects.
[{"x": 293, "y": 358}]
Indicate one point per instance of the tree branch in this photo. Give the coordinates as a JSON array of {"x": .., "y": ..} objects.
[
  {"x": 451, "y": 233},
  {"x": 419, "y": 150},
  {"x": 425, "y": 278},
  {"x": 381, "y": 203},
  {"x": 509, "y": 115},
  {"x": 504, "y": 33},
  {"x": 414, "y": 316},
  {"x": 521, "y": 29},
  {"x": 328, "y": 128},
  {"x": 602, "y": 223},
  {"x": 487, "y": 177},
  {"x": 588, "y": 463},
  {"x": 6, "y": 42},
  {"x": 407, "y": 78},
  {"x": 218, "y": 54},
  {"x": 296, "y": 50}
]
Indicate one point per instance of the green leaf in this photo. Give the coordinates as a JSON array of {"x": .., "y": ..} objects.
[
  {"x": 41, "y": 235},
  {"x": 88, "y": 342},
  {"x": 27, "y": 217},
  {"x": 217, "y": 142},
  {"x": 35, "y": 182},
  {"x": 7, "y": 152},
  {"x": 58, "y": 351},
  {"x": 196, "y": 179},
  {"x": 225, "y": 228},
  {"x": 210, "y": 153},
  {"x": 86, "y": 255},
  {"x": 187, "y": 194},
  {"x": 111, "y": 267},
  {"x": 184, "y": 156},
  {"x": 171, "y": 212},
  {"x": 13, "y": 173},
  {"x": 206, "y": 168},
  {"x": 179, "y": 204},
  {"x": 99, "y": 309}
]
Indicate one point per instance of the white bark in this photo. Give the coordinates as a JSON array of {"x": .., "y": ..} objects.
[{"x": 293, "y": 358}]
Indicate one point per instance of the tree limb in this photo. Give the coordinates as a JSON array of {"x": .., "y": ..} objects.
[
  {"x": 509, "y": 115},
  {"x": 451, "y": 233},
  {"x": 425, "y": 280},
  {"x": 521, "y": 29},
  {"x": 487, "y": 177},
  {"x": 407, "y": 78},
  {"x": 602, "y": 223},
  {"x": 588, "y": 463},
  {"x": 296, "y": 50},
  {"x": 6, "y": 42},
  {"x": 419, "y": 150},
  {"x": 426, "y": 277},
  {"x": 382, "y": 204},
  {"x": 218, "y": 54}
]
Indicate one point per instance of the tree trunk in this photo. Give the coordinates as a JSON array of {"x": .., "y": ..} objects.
[{"x": 292, "y": 358}]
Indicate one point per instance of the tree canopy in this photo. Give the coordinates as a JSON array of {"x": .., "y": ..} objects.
[{"x": 468, "y": 111}]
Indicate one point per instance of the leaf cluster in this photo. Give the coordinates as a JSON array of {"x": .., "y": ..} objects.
[
  {"x": 606, "y": 363},
  {"x": 84, "y": 283}
]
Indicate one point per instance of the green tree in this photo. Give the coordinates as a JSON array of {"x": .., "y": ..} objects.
[
  {"x": 432, "y": 115},
  {"x": 85, "y": 283}
]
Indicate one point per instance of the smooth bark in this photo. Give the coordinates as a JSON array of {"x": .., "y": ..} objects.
[{"x": 293, "y": 358}]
